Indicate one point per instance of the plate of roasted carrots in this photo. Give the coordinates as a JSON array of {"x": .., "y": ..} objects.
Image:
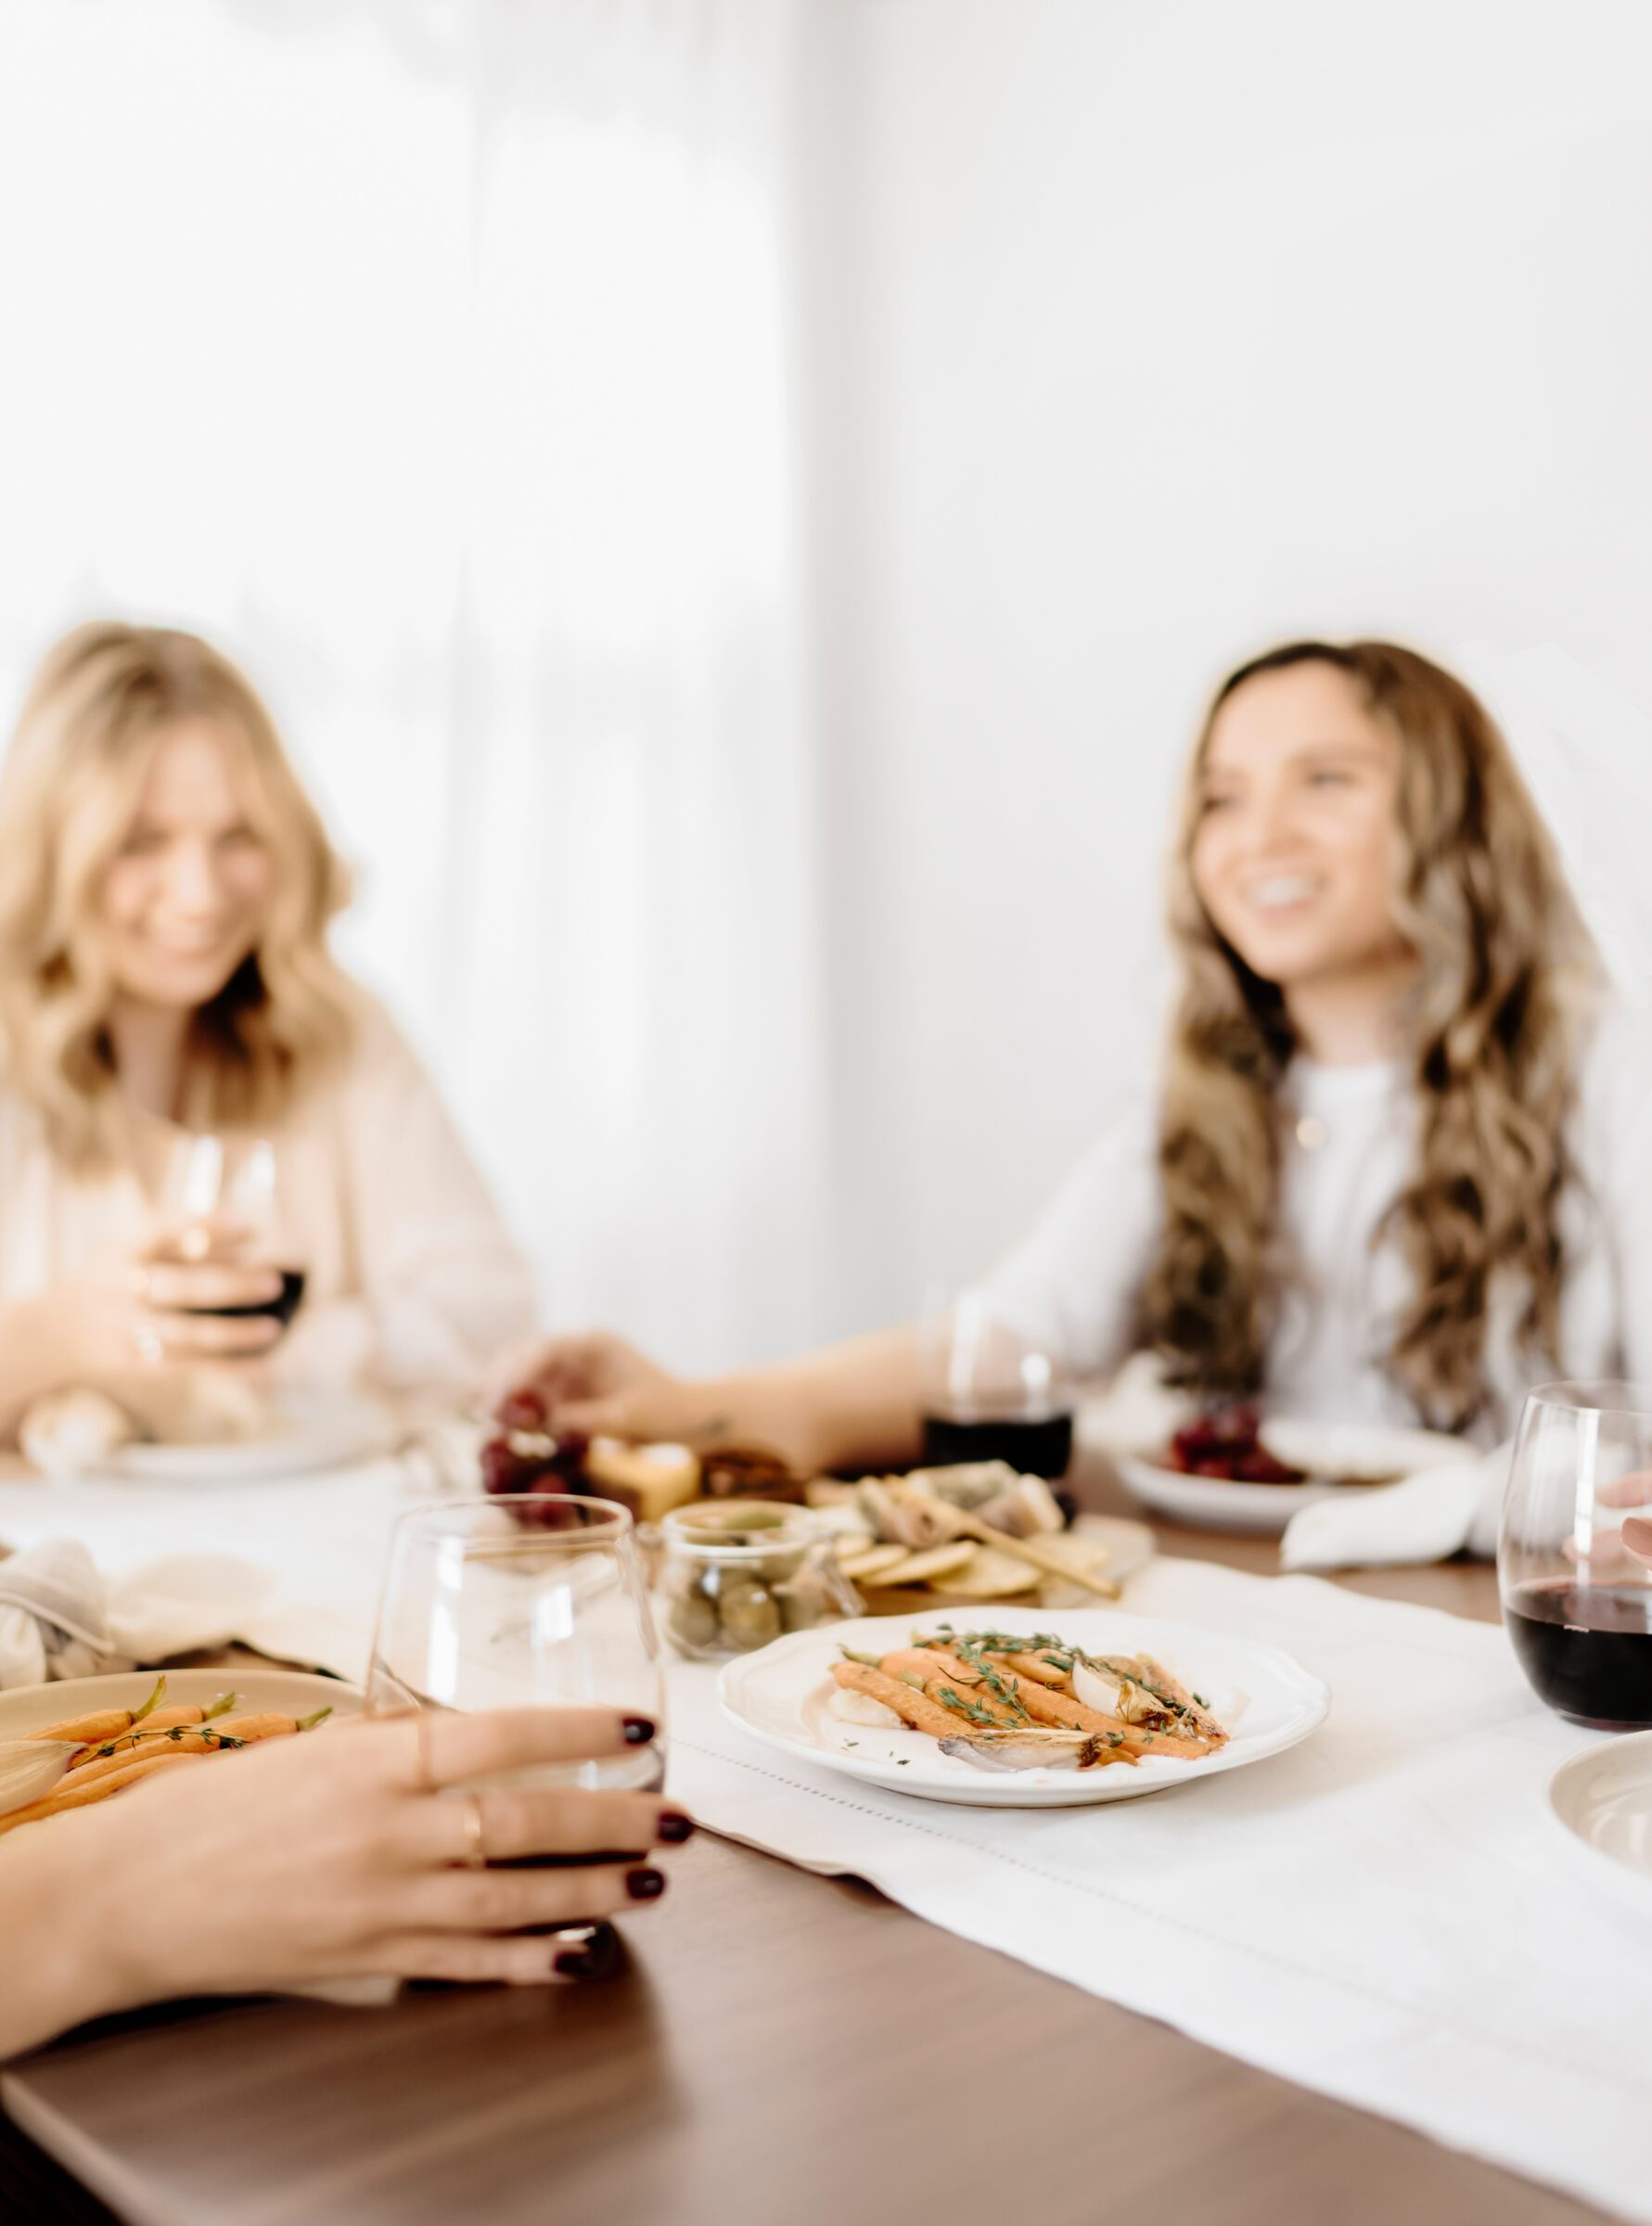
[
  {"x": 88, "y": 1739},
  {"x": 1021, "y": 1708}
]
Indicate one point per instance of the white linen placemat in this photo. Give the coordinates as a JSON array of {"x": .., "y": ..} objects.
[
  {"x": 1387, "y": 1914},
  {"x": 321, "y": 1540}
]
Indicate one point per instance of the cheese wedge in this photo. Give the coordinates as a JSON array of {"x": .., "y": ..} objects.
[{"x": 649, "y": 1479}]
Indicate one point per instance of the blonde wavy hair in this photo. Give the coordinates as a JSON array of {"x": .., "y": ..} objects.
[
  {"x": 1482, "y": 902},
  {"x": 99, "y": 706}
]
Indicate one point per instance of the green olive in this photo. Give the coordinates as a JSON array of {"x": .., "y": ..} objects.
[
  {"x": 751, "y": 1618},
  {"x": 693, "y": 1622}
]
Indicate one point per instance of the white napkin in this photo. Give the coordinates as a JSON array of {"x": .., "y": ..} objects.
[
  {"x": 60, "y": 1618},
  {"x": 1426, "y": 1518}
]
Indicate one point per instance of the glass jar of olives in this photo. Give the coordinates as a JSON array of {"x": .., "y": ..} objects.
[{"x": 734, "y": 1573}]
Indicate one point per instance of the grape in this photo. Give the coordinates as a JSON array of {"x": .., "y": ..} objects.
[{"x": 522, "y": 1411}]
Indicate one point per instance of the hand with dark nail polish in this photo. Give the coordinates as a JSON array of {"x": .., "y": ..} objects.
[{"x": 646, "y": 1885}]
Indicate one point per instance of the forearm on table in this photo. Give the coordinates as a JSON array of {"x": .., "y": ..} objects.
[
  {"x": 53, "y": 1971},
  {"x": 850, "y": 1403}
]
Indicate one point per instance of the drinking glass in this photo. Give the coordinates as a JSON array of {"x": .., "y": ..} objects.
[
  {"x": 1576, "y": 1604},
  {"x": 221, "y": 1200},
  {"x": 988, "y": 1392},
  {"x": 539, "y": 1604}
]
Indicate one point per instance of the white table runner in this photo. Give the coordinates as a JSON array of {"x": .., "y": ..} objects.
[{"x": 1387, "y": 1914}]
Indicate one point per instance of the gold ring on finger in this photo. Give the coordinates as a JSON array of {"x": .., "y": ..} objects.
[{"x": 476, "y": 1845}]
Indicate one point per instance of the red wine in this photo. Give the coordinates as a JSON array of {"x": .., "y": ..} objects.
[
  {"x": 283, "y": 1308},
  {"x": 1035, "y": 1448},
  {"x": 1586, "y": 1649}
]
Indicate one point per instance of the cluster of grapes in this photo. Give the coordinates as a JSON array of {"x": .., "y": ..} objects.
[
  {"x": 1225, "y": 1444},
  {"x": 525, "y": 1457}
]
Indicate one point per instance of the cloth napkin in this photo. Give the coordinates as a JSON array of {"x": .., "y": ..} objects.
[
  {"x": 1426, "y": 1518},
  {"x": 58, "y": 1618}
]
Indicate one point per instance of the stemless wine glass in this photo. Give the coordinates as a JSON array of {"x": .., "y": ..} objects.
[
  {"x": 1576, "y": 1604},
  {"x": 988, "y": 1392},
  {"x": 219, "y": 1200},
  {"x": 538, "y": 1605}
]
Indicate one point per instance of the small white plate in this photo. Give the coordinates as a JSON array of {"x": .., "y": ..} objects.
[
  {"x": 313, "y": 1430},
  {"x": 1604, "y": 1797},
  {"x": 1214, "y": 1504},
  {"x": 1264, "y": 1697},
  {"x": 283, "y": 1692}
]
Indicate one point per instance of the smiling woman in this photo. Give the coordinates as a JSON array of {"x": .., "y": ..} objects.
[
  {"x": 1398, "y": 1165},
  {"x": 165, "y": 973}
]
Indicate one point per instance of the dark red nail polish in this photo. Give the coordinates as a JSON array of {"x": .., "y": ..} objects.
[
  {"x": 674, "y": 1829},
  {"x": 574, "y": 1962},
  {"x": 639, "y": 1730},
  {"x": 645, "y": 1885}
]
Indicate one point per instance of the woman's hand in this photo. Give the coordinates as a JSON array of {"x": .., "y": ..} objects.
[
  {"x": 180, "y": 1302},
  {"x": 332, "y": 1855},
  {"x": 1637, "y": 1537},
  {"x": 101, "y": 1329},
  {"x": 600, "y": 1386}
]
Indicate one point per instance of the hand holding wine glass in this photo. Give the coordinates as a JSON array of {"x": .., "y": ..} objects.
[{"x": 222, "y": 1255}]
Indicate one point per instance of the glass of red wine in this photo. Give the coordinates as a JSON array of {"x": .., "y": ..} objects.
[
  {"x": 221, "y": 1201},
  {"x": 989, "y": 1393},
  {"x": 1575, "y": 1601}
]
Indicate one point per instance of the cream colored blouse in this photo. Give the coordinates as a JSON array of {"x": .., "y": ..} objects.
[{"x": 411, "y": 1279}]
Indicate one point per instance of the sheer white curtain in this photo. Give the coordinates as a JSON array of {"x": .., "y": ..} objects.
[{"x": 437, "y": 359}]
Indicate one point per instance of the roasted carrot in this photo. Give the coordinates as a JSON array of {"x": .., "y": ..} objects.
[
  {"x": 183, "y": 1739},
  {"x": 1073, "y": 1716},
  {"x": 85, "y": 1729},
  {"x": 128, "y": 1742},
  {"x": 1030, "y": 1665},
  {"x": 912, "y": 1706},
  {"x": 269, "y": 1725},
  {"x": 83, "y": 1795},
  {"x": 105, "y": 1724},
  {"x": 942, "y": 1674}
]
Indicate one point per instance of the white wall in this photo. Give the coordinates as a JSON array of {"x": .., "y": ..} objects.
[{"x": 1178, "y": 330}]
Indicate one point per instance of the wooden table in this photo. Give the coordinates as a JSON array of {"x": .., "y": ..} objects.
[{"x": 783, "y": 2047}]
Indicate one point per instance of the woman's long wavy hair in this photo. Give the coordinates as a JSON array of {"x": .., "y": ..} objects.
[
  {"x": 1482, "y": 902},
  {"x": 101, "y": 704}
]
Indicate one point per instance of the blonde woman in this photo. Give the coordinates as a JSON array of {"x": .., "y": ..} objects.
[
  {"x": 164, "y": 908},
  {"x": 1399, "y": 1164}
]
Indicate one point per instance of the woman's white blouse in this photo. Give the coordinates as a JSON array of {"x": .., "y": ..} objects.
[
  {"x": 412, "y": 1280},
  {"x": 1069, "y": 1287}
]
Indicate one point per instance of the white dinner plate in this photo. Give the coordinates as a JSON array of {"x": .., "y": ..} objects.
[
  {"x": 1264, "y": 1697},
  {"x": 312, "y": 1429},
  {"x": 283, "y": 1692},
  {"x": 1604, "y": 1797}
]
